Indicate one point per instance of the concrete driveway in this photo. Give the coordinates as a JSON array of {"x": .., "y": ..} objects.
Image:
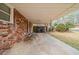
[{"x": 42, "y": 44}]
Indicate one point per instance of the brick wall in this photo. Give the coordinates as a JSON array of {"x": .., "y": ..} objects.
[
  {"x": 21, "y": 23},
  {"x": 5, "y": 28},
  {"x": 5, "y": 41},
  {"x": 15, "y": 31}
]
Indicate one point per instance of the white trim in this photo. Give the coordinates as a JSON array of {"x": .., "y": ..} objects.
[
  {"x": 4, "y": 21},
  {"x": 4, "y": 12},
  {"x": 11, "y": 12}
]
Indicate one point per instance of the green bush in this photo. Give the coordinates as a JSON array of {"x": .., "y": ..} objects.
[
  {"x": 69, "y": 25},
  {"x": 64, "y": 27},
  {"x": 61, "y": 28},
  {"x": 55, "y": 24}
]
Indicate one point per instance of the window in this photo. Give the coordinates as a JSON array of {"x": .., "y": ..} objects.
[{"x": 4, "y": 12}]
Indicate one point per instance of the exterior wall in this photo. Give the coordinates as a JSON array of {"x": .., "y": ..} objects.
[
  {"x": 6, "y": 25},
  {"x": 20, "y": 21},
  {"x": 5, "y": 28},
  {"x": 22, "y": 25},
  {"x": 15, "y": 29}
]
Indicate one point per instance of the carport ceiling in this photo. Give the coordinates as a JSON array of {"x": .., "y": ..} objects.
[{"x": 43, "y": 12}]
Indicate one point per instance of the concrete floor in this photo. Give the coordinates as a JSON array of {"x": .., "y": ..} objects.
[{"x": 41, "y": 44}]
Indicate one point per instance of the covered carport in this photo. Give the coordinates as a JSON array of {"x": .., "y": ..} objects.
[{"x": 40, "y": 14}]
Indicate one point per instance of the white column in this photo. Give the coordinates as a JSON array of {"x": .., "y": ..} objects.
[{"x": 11, "y": 12}]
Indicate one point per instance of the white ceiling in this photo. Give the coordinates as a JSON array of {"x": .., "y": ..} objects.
[{"x": 44, "y": 12}]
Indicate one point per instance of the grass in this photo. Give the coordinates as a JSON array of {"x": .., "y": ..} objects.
[{"x": 68, "y": 37}]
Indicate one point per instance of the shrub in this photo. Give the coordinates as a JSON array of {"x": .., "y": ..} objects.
[
  {"x": 64, "y": 27},
  {"x": 60, "y": 28},
  {"x": 55, "y": 24},
  {"x": 69, "y": 25}
]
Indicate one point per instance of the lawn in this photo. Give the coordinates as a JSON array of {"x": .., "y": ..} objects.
[{"x": 70, "y": 38}]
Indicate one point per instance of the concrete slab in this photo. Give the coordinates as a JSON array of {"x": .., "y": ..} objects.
[{"x": 42, "y": 44}]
